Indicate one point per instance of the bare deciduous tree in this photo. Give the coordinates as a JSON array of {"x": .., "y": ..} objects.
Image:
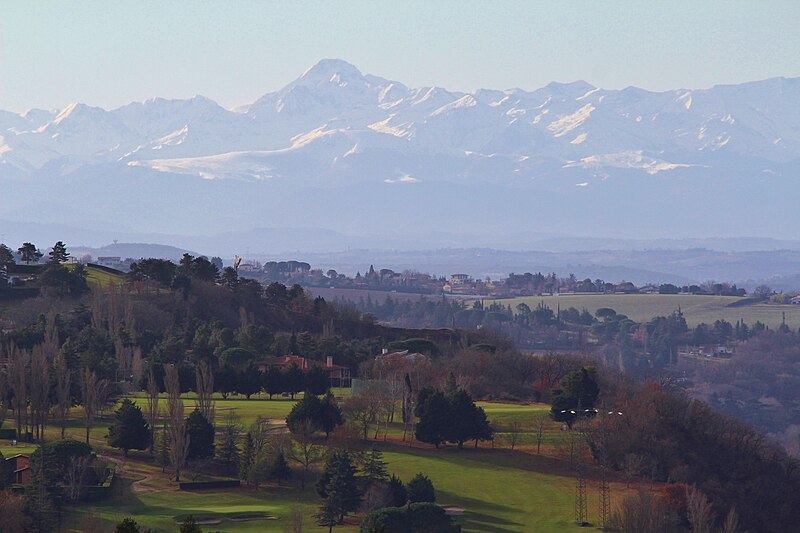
[
  {"x": 89, "y": 398},
  {"x": 540, "y": 420},
  {"x": 204, "y": 380},
  {"x": 514, "y": 431},
  {"x": 39, "y": 390},
  {"x": 295, "y": 522},
  {"x": 152, "y": 405},
  {"x": 306, "y": 451},
  {"x": 178, "y": 439},
  {"x": 699, "y": 511},
  {"x": 18, "y": 382},
  {"x": 63, "y": 397}
]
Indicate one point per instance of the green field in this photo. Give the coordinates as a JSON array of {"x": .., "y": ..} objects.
[
  {"x": 500, "y": 489},
  {"x": 696, "y": 309}
]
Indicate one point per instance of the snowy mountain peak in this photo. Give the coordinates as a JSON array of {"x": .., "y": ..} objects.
[{"x": 335, "y": 71}]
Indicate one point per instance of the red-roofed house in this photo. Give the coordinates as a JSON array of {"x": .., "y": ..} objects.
[{"x": 339, "y": 375}]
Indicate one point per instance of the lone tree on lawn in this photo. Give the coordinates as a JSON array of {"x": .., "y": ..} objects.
[
  {"x": 29, "y": 253},
  {"x": 338, "y": 487},
  {"x": 200, "y": 434},
  {"x": 59, "y": 253},
  {"x": 129, "y": 431},
  {"x": 322, "y": 415}
]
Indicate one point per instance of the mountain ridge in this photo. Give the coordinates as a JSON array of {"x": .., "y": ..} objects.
[{"x": 577, "y": 153}]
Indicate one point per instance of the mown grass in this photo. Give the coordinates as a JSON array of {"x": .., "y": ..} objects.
[
  {"x": 696, "y": 309},
  {"x": 501, "y": 490}
]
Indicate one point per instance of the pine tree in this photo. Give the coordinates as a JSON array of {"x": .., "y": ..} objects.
[
  {"x": 279, "y": 469},
  {"x": 228, "y": 449},
  {"x": 59, "y": 253},
  {"x": 420, "y": 489},
  {"x": 339, "y": 489},
  {"x": 129, "y": 430},
  {"x": 374, "y": 467},
  {"x": 201, "y": 436},
  {"x": 397, "y": 491}
]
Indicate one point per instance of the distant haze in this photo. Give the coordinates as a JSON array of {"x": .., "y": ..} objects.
[{"x": 107, "y": 54}]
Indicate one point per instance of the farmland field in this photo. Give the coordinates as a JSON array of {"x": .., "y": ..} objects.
[{"x": 696, "y": 309}]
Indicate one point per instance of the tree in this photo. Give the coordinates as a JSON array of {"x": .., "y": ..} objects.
[
  {"x": 130, "y": 431},
  {"x": 128, "y": 525},
  {"x": 204, "y": 385},
  {"x": 273, "y": 381},
  {"x": 162, "y": 453},
  {"x": 362, "y": 411},
  {"x": 323, "y": 415},
  {"x": 420, "y": 489},
  {"x": 247, "y": 457},
  {"x": 178, "y": 436},
  {"x": 305, "y": 450},
  {"x": 228, "y": 449},
  {"x": 29, "y": 253},
  {"x": 293, "y": 380},
  {"x": 433, "y": 411},
  {"x": 200, "y": 435},
  {"x": 89, "y": 390},
  {"x": 338, "y": 488},
  {"x": 374, "y": 468},
  {"x": 6, "y": 255},
  {"x": 577, "y": 396},
  {"x": 152, "y": 404},
  {"x": 12, "y": 509},
  {"x": 540, "y": 419},
  {"x": 59, "y": 253},
  {"x": 316, "y": 380},
  {"x": 279, "y": 468},
  {"x": 189, "y": 525},
  {"x": 63, "y": 390},
  {"x": 397, "y": 491}
]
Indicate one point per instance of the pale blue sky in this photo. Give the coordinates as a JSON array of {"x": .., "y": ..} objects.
[{"x": 109, "y": 53}]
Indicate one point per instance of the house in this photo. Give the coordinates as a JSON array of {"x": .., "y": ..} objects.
[
  {"x": 20, "y": 466},
  {"x": 795, "y": 300},
  {"x": 459, "y": 279},
  {"x": 338, "y": 375}
]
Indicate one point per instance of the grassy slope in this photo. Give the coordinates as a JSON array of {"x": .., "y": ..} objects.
[
  {"x": 501, "y": 490},
  {"x": 696, "y": 309}
]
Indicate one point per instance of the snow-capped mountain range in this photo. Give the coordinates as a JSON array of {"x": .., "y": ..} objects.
[{"x": 336, "y": 142}]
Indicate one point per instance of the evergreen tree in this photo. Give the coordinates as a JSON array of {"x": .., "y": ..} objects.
[
  {"x": 59, "y": 253},
  {"x": 189, "y": 525},
  {"x": 129, "y": 431},
  {"x": 420, "y": 489},
  {"x": 6, "y": 255},
  {"x": 28, "y": 252},
  {"x": 273, "y": 381},
  {"x": 201, "y": 436},
  {"x": 338, "y": 488},
  {"x": 294, "y": 380},
  {"x": 576, "y": 397},
  {"x": 374, "y": 467},
  {"x": 433, "y": 411},
  {"x": 228, "y": 449},
  {"x": 397, "y": 491},
  {"x": 128, "y": 525},
  {"x": 279, "y": 469}
]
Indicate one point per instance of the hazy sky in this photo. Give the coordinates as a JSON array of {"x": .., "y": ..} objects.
[{"x": 109, "y": 53}]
